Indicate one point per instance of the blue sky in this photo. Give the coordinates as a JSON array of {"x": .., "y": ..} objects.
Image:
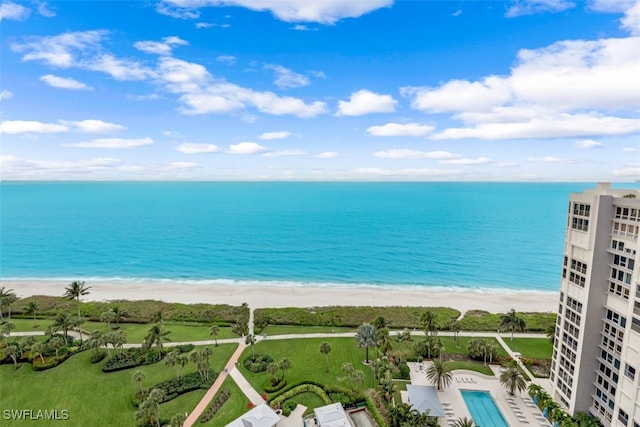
[{"x": 334, "y": 90}]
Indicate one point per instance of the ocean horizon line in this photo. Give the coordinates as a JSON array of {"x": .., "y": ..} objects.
[{"x": 284, "y": 284}]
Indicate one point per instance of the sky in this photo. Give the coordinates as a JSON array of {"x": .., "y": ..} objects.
[{"x": 382, "y": 90}]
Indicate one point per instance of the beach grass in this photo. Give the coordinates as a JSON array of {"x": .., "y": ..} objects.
[
  {"x": 237, "y": 405},
  {"x": 479, "y": 320},
  {"x": 91, "y": 397},
  {"x": 292, "y": 329},
  {"x": 537, "y": 348},
  {"x": 179, "y": 332},
  {"x": 308, "y": 364}
]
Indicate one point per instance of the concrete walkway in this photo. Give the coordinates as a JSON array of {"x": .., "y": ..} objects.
[
  {"x": 246, "y": 388},
  {"x": 204, "y": 402}
]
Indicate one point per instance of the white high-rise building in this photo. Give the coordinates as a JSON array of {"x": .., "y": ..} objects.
[{"x": 596, "y": 357}]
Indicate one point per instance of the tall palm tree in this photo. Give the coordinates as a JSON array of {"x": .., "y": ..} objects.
[
  {"x": 512, "y": 379},
  {"x": 108, "y": 317},
  {"x": 39, "y": 348},
  {"x": 7, "y": 327},
  {"x": 214, "y": 330},
  {"x": 325, "y": 349},
  {"x": 366, "y": 337},
  {"x": 384, "y": 341},
  {"x": 464, "y": 422},
  {"x": 7, "y": 297},
  {"x": 511, "y": 321},
  {"x": 64, "y": 322},
  {"x": 402, "y": 338},
  {"x": 429, "y": 323},
  {"x": 75, "y": 290},
  {"x": 120, "y": 315},
  {"x": 138, "y": 377},
  {"x": 156, "y": 335},
  {"x": 251, "y": 340},
  {"x": 284, "y": 364},
  {"x": 439, "y": 374},
  {"x": 455, "y": 327},
  {"x": 32, "y": 308}
]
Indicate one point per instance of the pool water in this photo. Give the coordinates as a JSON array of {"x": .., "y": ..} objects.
[
  {"x": 362, "y": 419},
  {"x": 483, "y": 409}
]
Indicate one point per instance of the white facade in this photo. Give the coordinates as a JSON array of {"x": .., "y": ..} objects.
[{"x": 596, "y": 358}]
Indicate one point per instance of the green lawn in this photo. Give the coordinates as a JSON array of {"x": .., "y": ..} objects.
[
  {"x": 92, "y": 397},
  {"x": 307, "y": 361},
  {"x": 538, "y": 348},
  {"x": 29, "y": 325},
  {"x": 179, "y": 332},
  {"x": 288, "y": 329},
  {"x": 232, "y": 409},
  {"x": 451, "y": 346},
  {"x": 310, "y": 400},
  {"x": 470, "y": 366}
]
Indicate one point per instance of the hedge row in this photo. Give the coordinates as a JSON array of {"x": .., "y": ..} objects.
[
  {"x": 479, "y": 320},
  {"x": 303, "y": 388},
  {"x": 189, "y": 382},
  {"x": 214, "y": 406}
]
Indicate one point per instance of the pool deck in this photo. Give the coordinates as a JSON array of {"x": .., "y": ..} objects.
[{"x": 517, "y": 410}]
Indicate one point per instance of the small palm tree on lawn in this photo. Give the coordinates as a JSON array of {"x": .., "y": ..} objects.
[
  {"x": 429, "y": 323},
  {"x": 7, "y": 297},
  {"x": 464, "y": 422},
  {"x": 251, "y": 340},
  {"x": 75, "y": 290},
  {"x": 325, "y": 349},
  {"x": 7, "y": 328},
  {"x": 64, "y": 322},
  {"x": 138, "y": 377},
  {"x": 32, "y": 308},
  {"x": 512, "y": 379},
  {"x": 120, "y": 315},
  {"x": 455, "y": 327},
  {"x": 284, "y": 364},
  {"x": 108, "y": 317},
  {"x": 214, "y": 331},
  {"x": 511, "y": 321},
  {"x": 156, "y": 335},
  {"x": 366, "y": 337},
  {"x": 439, "y": 374}
]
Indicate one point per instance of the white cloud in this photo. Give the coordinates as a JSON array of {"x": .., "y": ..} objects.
[
  {"x": 204, "y": 25},
  {"x": 286, "y": 78},
  {"x": 284, "y": 153},
  {"x": 365, "y": 102},
  {"x": 43, "y": 9},
  {"x": 467, "y": 161},
  {"x": 546, "y": 159},
  {"x": 246, "y": 148},
  {"x": 629, "y": 149},
  {"x": 13, "y": 127},
  {"x": 408, "y": 173},
  {"x": 160, "y": 48},
  {"x": 94, "y": 126},
  {"x": 227, "y": 59},
  {"x": 627, "y": 172},
  {"x": 587, "y": 143},
  {"x": 13, "y": 11},
  {"x": 301, "y": 27},
  {"x": 631, "y": 19},
  {"x": 323, "y": 12},
  {"x": 5, "y": 94},
  {"x": 403, "y": 153},
  {"x": 530, "y": 7},
  {"x": 327, "y": 155},
  {"x": 191, "y": 148},
  {"x": 63, "y": 50},
  {"x": 179, "y": 12},
  {"x": 611, "y": 6},
  {"x": 119, "y": 69},
  {"x": 181, "y": 166},
  {"x": 172, "y": 134},
  {"x": 64, "y": 82},
  {"x": 275, "y": 135},
  {"x": 112, "y": 143},
  {"x": 29, "y": 168},
  {"x": 457, "y": 12},
  {"x": 400, "y": 129}
]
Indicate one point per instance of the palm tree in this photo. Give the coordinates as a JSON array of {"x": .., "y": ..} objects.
[
  {"x": 7, "y": 328},
  {"x": 283, "y": 365},
  {"x": 511, "y": 321},
  {"x": 156, "y": 335},
  {"x": 32, "y": 308},
  {"x": 7, "y": 297},
  {"x": 120, "y": 315},
  {"x": 251, "y": 340},
  {"x": 464, "y": 422},
  {"x": 551, "y": 333},
  {"x": 402, "y": 338},
  {"x": 75, "y": 290},
  {"x": 108, "y": 317},
  {"x": 429, "y": 323},
  {"x": 12, "y": 352},
  {"x": 273, "y": 369},
  {"x": 380, "y": 322},
  {"x": 214, "y": 330},
  {"x": 387, "y": 386},
  {"x": 384, "y": 341},
  {"x": 97, "y": 340},
  {"x": 64, "y": 322},
  {"x": 149, "y": 410},
  {"x": 399, "y": 414},
  {"x": 325, "y": 349},
  {"x": 455, "y": 327},
  {"x": 439, "y": 374},
  {"x": 138, "y": 377},
  {"x": 366, "y": 337},
  {"x": 39, "y": 349},
  {"x": 178, "y": 420},
  {"x": 512, "y": 379},
  {"x": 172, "y": 360},
  {"x": 157, "y": 317}
]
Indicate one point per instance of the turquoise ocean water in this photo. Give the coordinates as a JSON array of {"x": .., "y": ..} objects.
[{"x": 453, "y": 235}]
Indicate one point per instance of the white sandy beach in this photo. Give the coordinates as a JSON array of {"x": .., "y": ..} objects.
[{"x": 275, "y": 296}]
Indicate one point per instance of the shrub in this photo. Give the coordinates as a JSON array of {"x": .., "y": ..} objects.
[
  {"x": 185, "y": 348},
  {"x": 377, "y": 408},
  {"x": 177, "y": 386},
  {"x": 288, "y": 407},
  {"x": 272, "y": 388},
  {"x": 98, "y": 357},
  {"x": 128, "y": 359},
  {"x": 49, "y": 362},
  {"x": 303, "y": 388},
  {"x": 404, "y": 371},
  {"x": 257, "y": 363},
  {"x": 214, "y": 406}
]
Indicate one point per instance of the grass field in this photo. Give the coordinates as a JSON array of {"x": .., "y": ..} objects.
[
  {"x": 538, "y": 348},
  {"x": 287, "y": 329},
  {"x": 232, "y": 409},
  {"x": 308, "y": 363},
  {"x": 178, "y": 332},
  {"x": 92, "y": 397},
  {"x": 30, "y": 325},
  {"x": 470, "y": 366}
]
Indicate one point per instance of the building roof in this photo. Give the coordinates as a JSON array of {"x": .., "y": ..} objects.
[
  {"x": 332, "y": 416},
  {"x": 425, "y": 398},
  {"x": 260, "y": 416}
]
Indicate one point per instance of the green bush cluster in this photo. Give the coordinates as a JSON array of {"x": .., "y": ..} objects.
[
  {"x": 288, "y": 407},
  {"x": 272, "y": 388},
  {"x": 98, "y": 357},
  {"x": 398, "y": 317},
  {"x": 185, "y": 348},
  {"x": 479, "y": 320},
  {"x": 214, "y": 406},
  {"x": 257, "y": 363},
  {"x": 49, "y": 362},
  {"x": 127, "y": 359},
  {"x": 377, "y": 408},
  {"x": 189, "y": 382},
  {"x": 302, "y": 388}
]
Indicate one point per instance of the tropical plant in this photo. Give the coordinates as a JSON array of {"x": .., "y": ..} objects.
[
  {"x": 149, "y": 410},
  {"x": 12, "y": 352},
  {"x": 201, "y": 359},
  {"x": 214, "y": 330},
  {"x": 512, "y": 322},
  {"x": 384, "y": 341},
  {"x": 366, "y": 337},
  {"x": 178, "y": 420},
  {"x": 284, "y": 364},
  {"x": 120, "y": 315},
  {"x": 464, "y": 422},
  {"x": 64, "y": 322},
  {"x": 97, "y": 340},
  {"x": 380, "y": 322},
  {"x": 108, "y": 317},
  {"x": 429, "y": 322},
  {"x": 32, "y": 308},
  {"x": 353, "y": 376},
  {"x": 551, "y": 333},
  {"x": 512, "y": 379},
  {"x": 325, "y": 349},
  {"x": 39, "y": 350},
  {"x": 402, "y": 338},
  {"x": 251, "y": 340},
  {"x": 156, "y": 335},
  {"x": 455, "y": 327},
  {"x": 273, "y": 369},
  {"x": 75, "y": 290},
  {"x": 138, "y": 377},
  {"x": 7, "y": 298},
  {"x": 439, "y": 374},
  {"x": 7, "y": 327},
  {"x": 387, "y": 386}
]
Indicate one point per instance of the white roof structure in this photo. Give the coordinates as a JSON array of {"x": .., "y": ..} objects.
[
  {"x": 332, "y": 416},
  {"x": 425, "y": 398},
  {"x": 260, "y": 416}
]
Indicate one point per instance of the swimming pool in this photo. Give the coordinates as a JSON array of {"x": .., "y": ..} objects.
[{"x": 483, "y": 409}]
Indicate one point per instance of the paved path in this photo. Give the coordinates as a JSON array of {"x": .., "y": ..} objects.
[
  {"x": 246, "y": 388},
  {"x": 204, "y": 402}
]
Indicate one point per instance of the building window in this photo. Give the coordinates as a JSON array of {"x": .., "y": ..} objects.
[
  {"x": 581, "y": 209},
  {"x": 629, "y": 371},
  {"x": 623, "y": 417},
  {"x": 580, "y": 224}
]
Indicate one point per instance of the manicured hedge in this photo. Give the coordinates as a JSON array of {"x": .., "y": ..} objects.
[
  {"x": 189, "y": 382},
  {"x": 257, "y": 363},
  {"x": 214, "y": 406},
  {"x": 130, "y": 358},
  {"x": 303, "y": 388}
]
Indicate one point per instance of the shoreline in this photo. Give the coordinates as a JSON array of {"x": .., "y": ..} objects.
[{"x": 272, "y": 296}]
